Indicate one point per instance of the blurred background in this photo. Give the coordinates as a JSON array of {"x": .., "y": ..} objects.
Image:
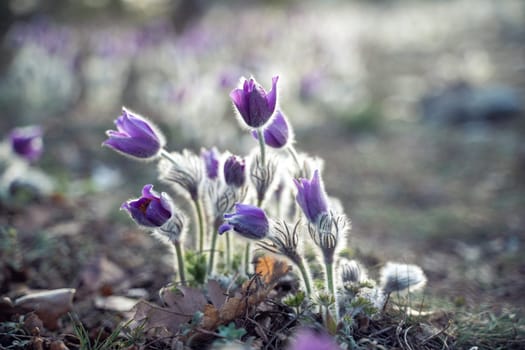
[{"x": 417, "y": 108}]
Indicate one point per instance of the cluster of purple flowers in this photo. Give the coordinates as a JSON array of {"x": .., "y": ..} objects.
[{"x": 232, "y": 193}]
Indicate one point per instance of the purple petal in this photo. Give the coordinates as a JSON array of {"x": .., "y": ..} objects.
[
  {"x": 135, "y": 126},
  {"x": 140, "y": 148},
  {"x": 258, "y": 110},
  {"x": 271, "y": 98},
  {"x": 156, "y": 213},
  {"x": 224, "y": 228},
  {"x": 240, "y": 102}
]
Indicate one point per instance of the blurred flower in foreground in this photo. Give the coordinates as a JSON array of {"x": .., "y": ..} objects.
[
  {"x": 211, "y": 162},
  {"x": 307, "y": 339},
  {"x": 277, "y": 132},
  {"x": 135, "y": 136},
  {"x": 234, "y": 173},
  {"x": 150, "y": 210},
  {"x": 248, "y": 220},
  {"x": 27, "y": 142},
  {"x": 311, "y": 197},
  {"x": 254, "y": 104}
]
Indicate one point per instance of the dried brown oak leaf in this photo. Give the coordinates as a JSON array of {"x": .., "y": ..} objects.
[
  {"x": 181, "y": 304},
  {"x": 217, "y": 305},
  {"x": 254, "y": 291}
]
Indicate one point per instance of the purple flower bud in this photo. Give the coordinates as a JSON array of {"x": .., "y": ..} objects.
[
  {"x": 234, "y": 173},
  {"x": 152, "y": 209},
  {"x": 211, "y": 162},
  {"x": 249, "y": 221},
  {"x": 135, "y": 136},
  {"x": 253, "y": 103},
  {"x": 276, "y": 133},
  {"x": 27, "y": 142},
  {"x": 311, "y": 197},
  {"x": 307, "y": 339}
]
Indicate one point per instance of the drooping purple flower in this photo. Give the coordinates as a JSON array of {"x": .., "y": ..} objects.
[
  {"x": 254, "y": 104},
  {"x": 248, "y": 220},
  {"x": 306, "y": 339},
  {"x": 135, "y": 136},
  {"x": 211, "y": 162},
  {"x": 311, "y": 197},
  {"x": 234, "y": 173},
  {"x": 277, "y": 132},
  {"x": 151, "y": 209},
  {"x": 27, "y": 142}
]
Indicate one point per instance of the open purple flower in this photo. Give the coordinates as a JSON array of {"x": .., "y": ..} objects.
[
  {"x": 27, "y": 142},
  {"x": 306, "y": 339},
  {"x": 254, "y": 104},
  {"x": 311, "y": 197},
  {"x": 135, "y": 136},
  {"x": 277, "y": 132},
  {"x": 150, "y": 210},
  {"x": 248, "y": 220},
  {"x": 211, "y": 162},
  {"x": 234, "y": 173}
]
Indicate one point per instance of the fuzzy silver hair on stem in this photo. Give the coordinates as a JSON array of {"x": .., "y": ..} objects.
[
  {"x": 399, "y": 277},
  {"x": 329, "y": 231},
  {"x": 263, "y": 176},
  {"x": 185, "y": 170},
  {"x": 283, "y": 241},
  {"x": 173, "y": 229},
  {"x": 351, "y": 271}
]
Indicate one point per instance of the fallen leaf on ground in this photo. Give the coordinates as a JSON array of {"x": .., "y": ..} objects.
[
  {"x": 102, "y": 275},
  {"x": 48, "y": 305},
  {"x": 115, "y": 303}
]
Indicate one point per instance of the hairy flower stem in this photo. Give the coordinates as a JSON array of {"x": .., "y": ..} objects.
[
  {"x": 306, "y": 276},
  {"x": 180, "y": 262},
  {"x": 247, "y": 258},
  {"x": 214, "y": 235},
  {"x": 293, "y": 153},
  {"x": 196, "y": 204},
  {"x": 200, "y": 221},
  {"x": 228, "y": 252},
  {"x": 262, "y": 146},
  {"x": 330, "y": 278}
]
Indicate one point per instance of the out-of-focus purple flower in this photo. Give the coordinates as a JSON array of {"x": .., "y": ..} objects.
[
  {"x": 211, "y": 162},
  {"x": 254, "y": 104},
  {"x": 234, "y": 173},
  {"x": 135, "y": 136},
  {"x": 306, "y": 339},
  {"x": 311, "y": 197},
  {"x": 150, "y": 210},
  {"x": 277, "y": 132},
  {"x": 248, "y": 220},
  {"x": 27, "y": 142}
]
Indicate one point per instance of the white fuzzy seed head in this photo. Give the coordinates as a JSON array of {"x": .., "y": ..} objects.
[{"x": 397, "y": 277}]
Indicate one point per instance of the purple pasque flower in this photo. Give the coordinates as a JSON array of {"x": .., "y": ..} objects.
[
  {"x": 151, "y": 209},
  {"x": 248, "y": 220},
  {"x": 27, "y": 142},
  {"x": 234, "y": 171},
  {"x": 135, "y": 136},
  {"x": 211, "y": 162},
  {"x": 307, "y": 339},
  {"x": 311, "y": 197},
  {"x": 277, "y": 132},
  {"x": 254, "y": 104}
]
